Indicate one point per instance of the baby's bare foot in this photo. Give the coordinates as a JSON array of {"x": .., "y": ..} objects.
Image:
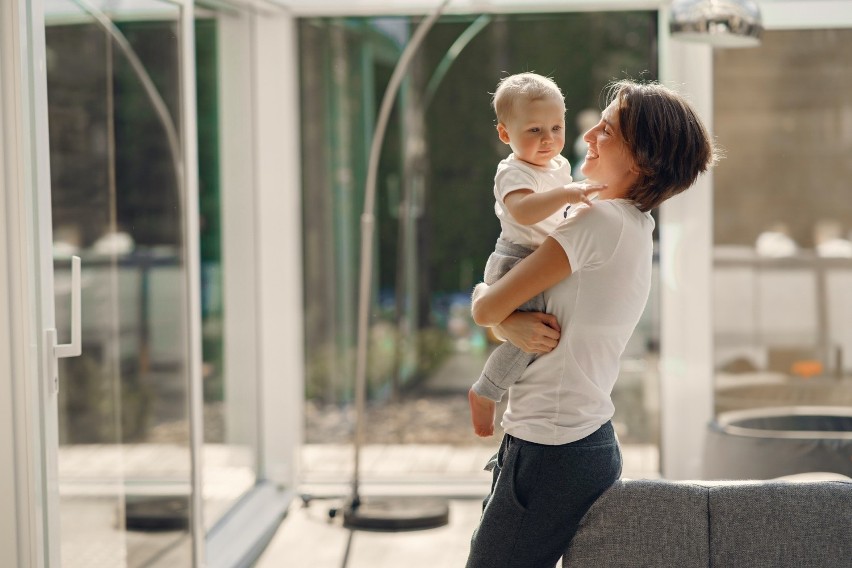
[{"x": 482, "y": 413}]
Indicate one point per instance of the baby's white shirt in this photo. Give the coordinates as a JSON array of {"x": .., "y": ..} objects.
[{"x": 514, "y": 174}]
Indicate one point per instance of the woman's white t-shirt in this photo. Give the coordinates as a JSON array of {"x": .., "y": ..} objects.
[{"x": 564, "y": 395}]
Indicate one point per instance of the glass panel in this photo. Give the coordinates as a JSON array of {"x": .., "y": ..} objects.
[
  {"x": 114, "y": 106},
  {"x": 435, "y": 228},
  {"x": 783, "y": 222},
  {"x": 228, "y": 314}
]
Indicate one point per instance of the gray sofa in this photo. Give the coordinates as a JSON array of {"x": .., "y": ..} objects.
[{"x": 723, "y": 524}]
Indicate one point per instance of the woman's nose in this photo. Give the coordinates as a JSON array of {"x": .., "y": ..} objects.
[{"x": 589, "y": 135}]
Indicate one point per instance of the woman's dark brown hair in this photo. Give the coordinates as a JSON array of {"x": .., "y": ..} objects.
[{"x": 666, "y": 137}]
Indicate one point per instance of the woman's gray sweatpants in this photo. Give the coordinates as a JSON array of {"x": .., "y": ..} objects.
[
  {"x": 506, "y": 363},
  {"x": 539, "y": 493}
]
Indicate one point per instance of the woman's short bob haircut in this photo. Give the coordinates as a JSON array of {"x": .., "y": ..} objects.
[{"x": 665, "y": 136}]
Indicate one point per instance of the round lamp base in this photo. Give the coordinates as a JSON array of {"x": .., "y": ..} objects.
[{"x": 397, "y": 514}]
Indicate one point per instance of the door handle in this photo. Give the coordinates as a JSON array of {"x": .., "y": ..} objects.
[{"x": 57, "y": 351}]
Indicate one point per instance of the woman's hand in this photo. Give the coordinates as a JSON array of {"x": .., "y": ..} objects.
[{"x": 533, "y": 332}]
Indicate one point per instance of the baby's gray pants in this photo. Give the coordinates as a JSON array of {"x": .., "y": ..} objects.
[{"x": 506, "y": 363}]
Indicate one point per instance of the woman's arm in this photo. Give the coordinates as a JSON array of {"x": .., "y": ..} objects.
[{"x": 533, "y": 275}]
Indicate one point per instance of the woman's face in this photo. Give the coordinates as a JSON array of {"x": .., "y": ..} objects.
[{"x": 608, "y": 159}]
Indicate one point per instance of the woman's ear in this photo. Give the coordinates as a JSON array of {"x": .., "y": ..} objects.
[{"x": 503, "y": 133}]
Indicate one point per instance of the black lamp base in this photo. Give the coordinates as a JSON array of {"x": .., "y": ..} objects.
[{"x": 396, "y": 514}]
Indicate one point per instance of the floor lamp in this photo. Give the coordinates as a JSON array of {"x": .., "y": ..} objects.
[{"x": 399, "y": 513}]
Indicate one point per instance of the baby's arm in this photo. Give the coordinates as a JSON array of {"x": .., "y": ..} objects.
[{"x": 528, "y": 207}]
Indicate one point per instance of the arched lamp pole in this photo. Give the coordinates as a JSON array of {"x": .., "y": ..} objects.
[{"x": 384, "y": 515}]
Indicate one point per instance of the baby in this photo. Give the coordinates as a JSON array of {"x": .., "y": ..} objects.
[{"x": 533, "y": 189}]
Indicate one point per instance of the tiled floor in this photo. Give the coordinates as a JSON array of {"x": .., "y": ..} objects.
[{"x": 310, "y": 538}]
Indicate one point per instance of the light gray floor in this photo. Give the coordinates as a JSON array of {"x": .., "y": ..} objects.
[{"x": 309, "y": 539}]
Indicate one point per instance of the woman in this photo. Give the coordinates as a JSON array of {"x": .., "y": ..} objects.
[{"x": 560, "y": 452}]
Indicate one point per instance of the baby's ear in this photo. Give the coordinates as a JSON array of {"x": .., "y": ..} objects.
[{"x": 503, "y": 133}]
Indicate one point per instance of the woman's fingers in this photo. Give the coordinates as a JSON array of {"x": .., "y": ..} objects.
[
  {"x": 546, "y": 344},
  {"x": 545, "y": 336},
  {"x": 550, "y": 321},
  {"x": 533, "y": 332}
]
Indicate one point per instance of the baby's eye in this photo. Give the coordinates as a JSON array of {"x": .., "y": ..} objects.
[
  {"x": 557, "y": 128},
  {"x": 534, "y": 129}
]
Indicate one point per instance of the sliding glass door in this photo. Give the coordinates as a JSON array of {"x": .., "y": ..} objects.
[
  {"x": 120, "y": 195},
  {"x": 180, "y": 243}
]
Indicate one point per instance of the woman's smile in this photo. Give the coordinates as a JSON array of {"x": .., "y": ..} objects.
[{"x": 607, "y": 159}]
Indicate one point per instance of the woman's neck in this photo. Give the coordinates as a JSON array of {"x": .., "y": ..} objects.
[{"x": 611, "y": 192}]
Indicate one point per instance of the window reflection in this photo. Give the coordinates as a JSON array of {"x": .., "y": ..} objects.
[
  {"x": 435, "y": 224},
  {"x": 124, "y": 460},
  {"x": 782, "y": 222}
]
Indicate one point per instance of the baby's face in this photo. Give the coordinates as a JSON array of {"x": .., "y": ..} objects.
[{"x": 536, "y": 130}]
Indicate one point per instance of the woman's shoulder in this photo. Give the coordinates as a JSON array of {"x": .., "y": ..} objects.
[
  {"x": 606, "y": 216},
  {"x": 603, "y": 210},
  {"x": 614, "y": 210}
]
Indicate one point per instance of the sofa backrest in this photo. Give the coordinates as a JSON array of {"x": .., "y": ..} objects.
[
  {"x": 781, "y": 524},
  {"x": 644, "y": 523},
  {"x": 730, "y": 524}
]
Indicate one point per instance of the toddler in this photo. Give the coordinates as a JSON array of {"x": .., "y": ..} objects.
[{"x": 532, "y": 189}]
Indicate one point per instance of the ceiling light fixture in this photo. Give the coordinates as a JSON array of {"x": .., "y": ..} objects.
[{"x": 720, "y": 23}]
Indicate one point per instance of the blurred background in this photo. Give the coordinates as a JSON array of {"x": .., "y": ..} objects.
[{"x": 136, "y": 90}]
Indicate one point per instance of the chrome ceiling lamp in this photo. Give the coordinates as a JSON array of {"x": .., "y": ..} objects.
[{"x": 720, "y": 23}]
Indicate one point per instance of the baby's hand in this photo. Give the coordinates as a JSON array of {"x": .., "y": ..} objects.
[{"x": 580, "y": 192}]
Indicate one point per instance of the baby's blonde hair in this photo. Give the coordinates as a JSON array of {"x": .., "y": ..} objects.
[{"x": 523, "y": 87}]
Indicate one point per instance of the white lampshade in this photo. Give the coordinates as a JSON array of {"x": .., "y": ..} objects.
[{"x": 720, "y": 23}]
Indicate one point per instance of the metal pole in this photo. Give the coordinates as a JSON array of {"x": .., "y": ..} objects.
[{"x": 367, "y": 226}]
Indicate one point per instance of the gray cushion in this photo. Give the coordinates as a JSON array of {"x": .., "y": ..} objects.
[
  {"x": 644, "y": 523},
  {"x": 781, "y": 525}
]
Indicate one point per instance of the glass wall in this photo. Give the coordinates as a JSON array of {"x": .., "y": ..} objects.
[
  {"x": 435, "y": 220},
  {"x": 118, "y": 202},
  {"x": 783, "y": 222},
  {"x": 114, "y": 88}
]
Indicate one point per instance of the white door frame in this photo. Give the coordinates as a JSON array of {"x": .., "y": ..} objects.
[
  {"x": 188, "y": 132},
  {"x": 29, "y": 530},
  {"x": 28, "y": 435},
  {"x": 192, "y": 259},
  {"x": 262, "y": 227}
]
